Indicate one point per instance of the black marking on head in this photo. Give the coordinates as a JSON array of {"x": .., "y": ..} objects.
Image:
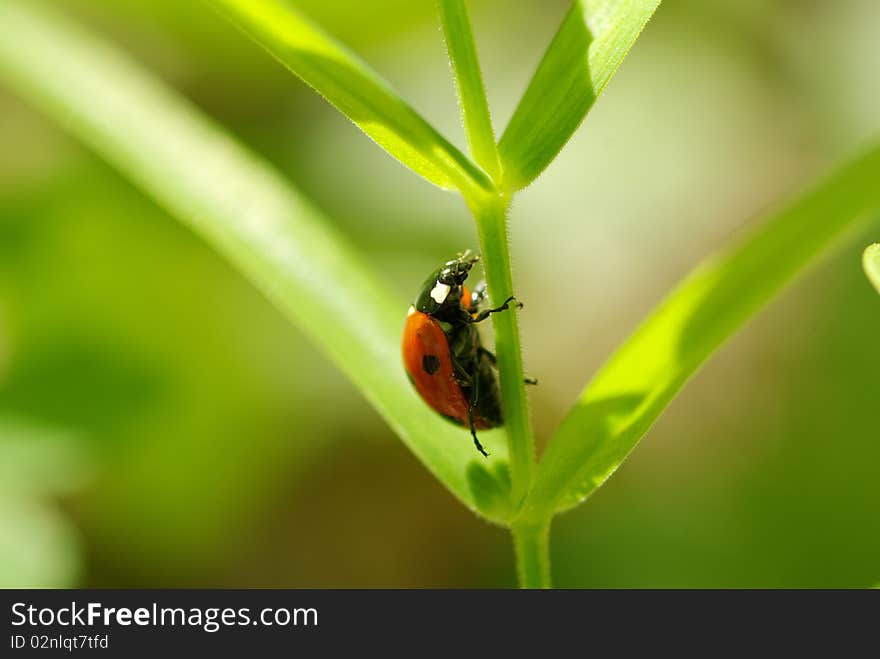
[
  {"x": 430, "y": 364},
  {"x": 440, "y": 295},
  {"x": 454, "y": 272}
]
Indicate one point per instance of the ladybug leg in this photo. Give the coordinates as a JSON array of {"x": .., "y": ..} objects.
[
  {"x": 471, "y": 403},
  {"x": 481, "y": 351},
  {"x": 474, "y": 433},
  {"x": 462, "y": 377},
  {"x": 494, "y": 361},
  {"x": 488, "y": 355},
  {"x": 483, "y": 315}
]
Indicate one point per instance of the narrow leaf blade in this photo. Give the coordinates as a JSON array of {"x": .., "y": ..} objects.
[
  {"x": 644, "y": 375},
  {"x": 355, "y": 90},
  {"x": 871, "y": 262},
  {"x": 469, "y": 79},
  {"x": 239, "y": 205},
  {"x": 590, "y": 45}
]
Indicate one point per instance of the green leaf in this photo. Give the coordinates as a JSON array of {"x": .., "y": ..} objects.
[
  {"x": 355, "y": 90},
  {"x": 871, "y": 262},
  {"x": 242, "y": 207},
  {"x": 491, "y": 488},
  {"x": 591, "y": 43},
  {"x": 471, "y": 92},
  {"x": 643, "y": 376}
]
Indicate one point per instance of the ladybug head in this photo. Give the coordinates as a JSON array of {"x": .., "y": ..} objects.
[
  {"x": 441, "y": 292},
  {"x": 454, "y": 272}
]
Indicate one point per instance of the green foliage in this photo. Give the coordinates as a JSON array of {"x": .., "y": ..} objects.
[
  {"x": 532, "y": 545},
  {"x": 471, "y": 93},
  {"x": 490, "y": 213},
  {"x": 355, "y": 90},
  {"x": 491, "y": 218},
  {"x": 282, "y": 244},
  {"x": 491, "y": 489},
  {"x": 274, "y": 236},
  {"x": 871, "y": 263},
  {"x": 594, "y": 38},
  {"x": 642, "y": 377}
]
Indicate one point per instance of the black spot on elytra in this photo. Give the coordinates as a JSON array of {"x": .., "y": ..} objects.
[{"x": 431, "y": 364}]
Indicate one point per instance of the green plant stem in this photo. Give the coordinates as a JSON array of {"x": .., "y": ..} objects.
[
  {"x": 532, "y": 546},
  {"x": 490, "y": 213},
  {"x": 471, "y": 91}
]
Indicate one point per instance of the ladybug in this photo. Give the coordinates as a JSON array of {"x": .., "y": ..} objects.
[{"x": 442, "y": 352}]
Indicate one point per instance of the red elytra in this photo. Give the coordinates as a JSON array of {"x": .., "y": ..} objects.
[{"x": 422, "y": 335}]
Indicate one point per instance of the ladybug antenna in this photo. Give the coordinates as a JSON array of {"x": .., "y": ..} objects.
[
  {"x": 454, "y": 272},
  {"x": 466, "y": 257}
]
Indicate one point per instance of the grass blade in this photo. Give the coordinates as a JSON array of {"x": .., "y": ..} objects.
[
  {"x": 640, "y": 380},
  {"x": 355, "y": 90},
  {"x": 471, "y": 92},
  {"x": 241, "y": 206},
  {"x": 591, "y": 43},
  {"x": 871, "y": 262}
]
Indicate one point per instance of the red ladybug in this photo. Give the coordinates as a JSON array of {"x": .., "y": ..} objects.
[{"x": 442, "y": 352}]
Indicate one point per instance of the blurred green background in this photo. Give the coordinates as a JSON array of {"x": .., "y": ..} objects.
[{"x": 162, "y": 425}]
